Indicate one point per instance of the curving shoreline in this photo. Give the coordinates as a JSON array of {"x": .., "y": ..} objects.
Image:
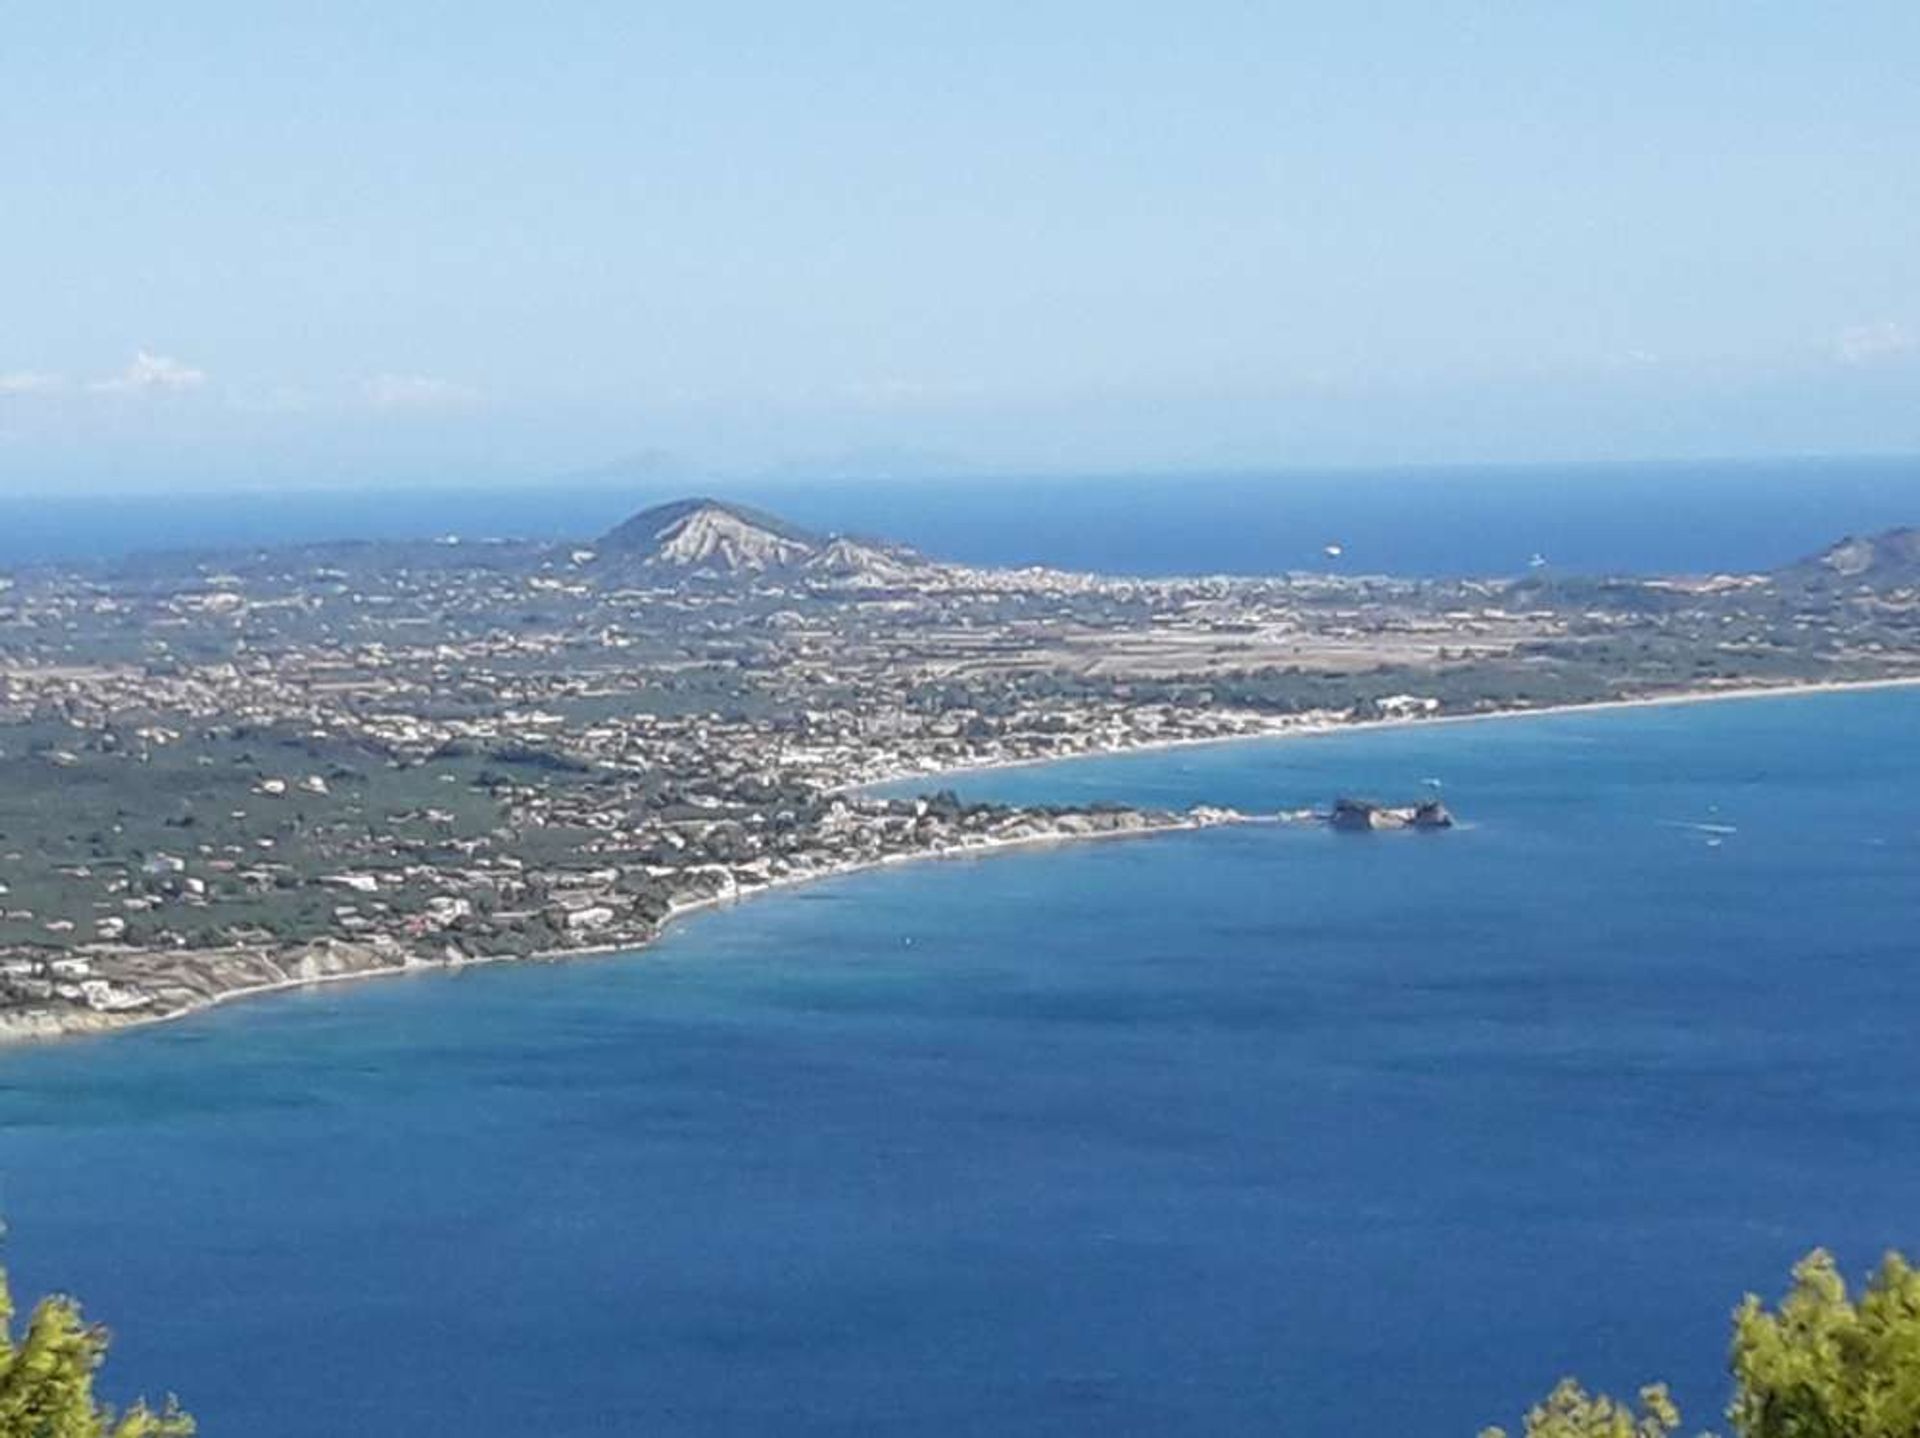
[
  {"x": 1319, "y": 729},
  {"x": 88, "y": 1023},
  {"x": 92, "y": 1024}
]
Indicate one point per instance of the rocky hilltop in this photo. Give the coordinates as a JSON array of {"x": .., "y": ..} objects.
[
  {"x": 717, "y": 538},
  {"x": 1892, "y": 556}
]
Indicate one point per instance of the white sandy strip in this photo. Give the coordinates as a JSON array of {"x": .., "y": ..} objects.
[{"x": 1320, "y": 728}]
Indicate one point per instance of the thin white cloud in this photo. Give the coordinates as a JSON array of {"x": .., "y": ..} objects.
[
  {"x": 1874, "y": 344},
  {"x": 30, "y": 382},
  {"x": 152, "y": 374},
  {"x": 279, "y": 399},
  {"x": 891, "y": 392},
  {"x": 1630, "y": 360},
  {"x": 417, "y": 392}
]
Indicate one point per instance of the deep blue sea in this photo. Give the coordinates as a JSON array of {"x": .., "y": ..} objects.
[
  {"x": 1678, "y": 517},
  {"x": 1256, "y": 1131}
]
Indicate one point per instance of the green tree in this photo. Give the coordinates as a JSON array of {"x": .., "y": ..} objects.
[
  {"x": 1571, "y": 1412},
  {"x": 1823, "y": 1365},
  {"x": 46, "y": 1379}
]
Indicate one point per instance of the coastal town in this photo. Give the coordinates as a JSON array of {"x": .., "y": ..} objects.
[{"x": 231, "y": 772}]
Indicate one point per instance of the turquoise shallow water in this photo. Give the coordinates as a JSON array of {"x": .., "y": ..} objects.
[{"x": 1252, "y": 1131}]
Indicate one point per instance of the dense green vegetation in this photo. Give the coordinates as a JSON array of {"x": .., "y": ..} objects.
[
  {"x": 1823, "y": 1365},
  {"x": 46, "y": 1379}
]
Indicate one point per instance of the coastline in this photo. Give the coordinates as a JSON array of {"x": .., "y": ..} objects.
[
  {"x": 1320, "y": 729},
  {"x": 101, "y": 1024}
]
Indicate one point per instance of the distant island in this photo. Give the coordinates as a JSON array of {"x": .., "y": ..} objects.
[{"x": 227, "y": 772}]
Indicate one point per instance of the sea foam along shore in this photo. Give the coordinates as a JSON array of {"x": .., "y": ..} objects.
[{"x": 91, "y": 1023}]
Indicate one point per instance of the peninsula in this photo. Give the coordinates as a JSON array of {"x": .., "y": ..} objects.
[{"x": 226, "y": 772}]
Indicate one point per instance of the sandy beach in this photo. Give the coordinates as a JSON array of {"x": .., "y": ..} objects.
[{"x": 1320, "y": 728}]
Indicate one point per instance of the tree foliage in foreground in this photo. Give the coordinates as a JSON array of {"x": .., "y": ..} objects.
[
  {"x": 1571, "y": 1412},
  {"x": 46, "y": 1379},
  {"x": 1822, "y": 1365},
  {"x": 1825, "y": 1365}
]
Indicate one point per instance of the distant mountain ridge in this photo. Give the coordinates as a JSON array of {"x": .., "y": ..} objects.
[
  {"x": 1893, "y": 555},
  {"x": 719, "y": 538}
]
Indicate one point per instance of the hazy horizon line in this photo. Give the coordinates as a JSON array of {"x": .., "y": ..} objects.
[{"x": 614, "y": 473}]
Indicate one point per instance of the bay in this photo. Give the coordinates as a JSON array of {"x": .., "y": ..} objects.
[{"x": 1263, "y": 1130}]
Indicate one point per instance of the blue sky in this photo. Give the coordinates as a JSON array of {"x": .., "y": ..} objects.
[{"x": 251, "y": 244}]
